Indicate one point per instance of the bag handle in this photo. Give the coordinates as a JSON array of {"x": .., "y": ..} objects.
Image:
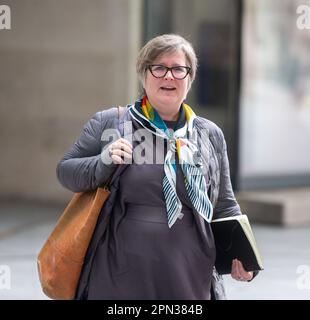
[{"x": 120, "y": 113}]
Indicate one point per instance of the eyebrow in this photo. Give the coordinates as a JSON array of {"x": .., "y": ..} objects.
[{"x": 173, "y": 65}]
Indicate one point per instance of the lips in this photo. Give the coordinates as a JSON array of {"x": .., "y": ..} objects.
[{"x": 168, "y": 88}]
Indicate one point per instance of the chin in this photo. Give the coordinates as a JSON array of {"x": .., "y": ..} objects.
[{"x": 166, "y": 99}]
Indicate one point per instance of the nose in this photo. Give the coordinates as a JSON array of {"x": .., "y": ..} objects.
[{"x": 169, "y": 75}]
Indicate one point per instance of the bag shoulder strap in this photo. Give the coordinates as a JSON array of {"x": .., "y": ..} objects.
[{"x": 121, "y": 112}]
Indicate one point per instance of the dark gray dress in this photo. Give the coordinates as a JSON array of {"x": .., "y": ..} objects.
[{"x": 143, "y": 258}]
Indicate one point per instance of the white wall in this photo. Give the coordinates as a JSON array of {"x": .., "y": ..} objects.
[
  {"x": 275, "y": 105},
  {"x": 61, "y": 62}
]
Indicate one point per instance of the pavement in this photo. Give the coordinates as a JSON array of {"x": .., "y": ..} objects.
[{"x": 24, "y": 228}]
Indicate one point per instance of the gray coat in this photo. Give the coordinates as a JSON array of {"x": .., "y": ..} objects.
[{"x": 81, "y": 169}]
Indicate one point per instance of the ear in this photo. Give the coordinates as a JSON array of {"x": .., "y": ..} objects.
[{"x": 189, "y": 85}]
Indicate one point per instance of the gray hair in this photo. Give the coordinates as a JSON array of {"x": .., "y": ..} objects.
[{"x": 160, "y": 45}]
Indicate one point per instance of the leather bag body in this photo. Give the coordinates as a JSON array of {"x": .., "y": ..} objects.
[{"x": 61, "y": 259}]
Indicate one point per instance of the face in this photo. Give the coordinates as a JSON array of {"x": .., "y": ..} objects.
[{"x": 167, "y": 94}]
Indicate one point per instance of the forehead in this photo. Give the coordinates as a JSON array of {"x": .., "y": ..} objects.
[{"x": 171, "y": 58}]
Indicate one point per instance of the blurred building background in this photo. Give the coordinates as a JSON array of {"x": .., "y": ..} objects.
[{"x": 63, "y": 61}]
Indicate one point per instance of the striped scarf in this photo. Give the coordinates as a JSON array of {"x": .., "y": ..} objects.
[{"x": 195, "y": 183}]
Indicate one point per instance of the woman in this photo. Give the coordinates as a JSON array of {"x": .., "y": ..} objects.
[{"x": 158, "y": 243}]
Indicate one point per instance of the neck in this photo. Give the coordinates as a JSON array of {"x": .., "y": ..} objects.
[
  {"x": 167, "y": 114},
  {"x": 170, "y": 116}
]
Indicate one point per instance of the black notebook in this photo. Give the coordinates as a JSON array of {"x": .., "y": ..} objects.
[{"x": 234, "y": 239}]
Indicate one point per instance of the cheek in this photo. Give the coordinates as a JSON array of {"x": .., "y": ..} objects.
[
  {"x": 150, "y": 84},
  {"x": 185, "y": 87}
]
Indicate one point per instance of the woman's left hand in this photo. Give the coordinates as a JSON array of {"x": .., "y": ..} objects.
[{"x": 238, "y": 272}]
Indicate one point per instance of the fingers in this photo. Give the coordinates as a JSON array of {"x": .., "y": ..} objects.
[
  {"x": 123, "y": 142},
  {"x": 239, "y": 273},
  {"x": 117, "y": 159},
  {"x": 245, "y": 275},
  {"x": 235, "y": 270},
  {"x": 119, "y": 150}
]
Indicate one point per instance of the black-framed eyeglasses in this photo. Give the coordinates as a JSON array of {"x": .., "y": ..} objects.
[{"x": 160, "y": 71}]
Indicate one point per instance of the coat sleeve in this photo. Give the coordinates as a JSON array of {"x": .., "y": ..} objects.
[
  {"x": 82, "y": 168},
  {"x": 226, "y": 204}
]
